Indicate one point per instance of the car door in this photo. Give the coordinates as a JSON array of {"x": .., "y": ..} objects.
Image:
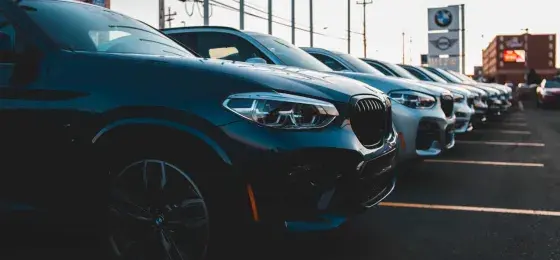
[
  {"x": 35, "y": 138},
  {"x": 330, "y": 62},
  {"x": 220, "y": 45}
]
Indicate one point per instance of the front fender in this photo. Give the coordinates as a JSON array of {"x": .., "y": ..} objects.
[{"x": 191, "y": 131}]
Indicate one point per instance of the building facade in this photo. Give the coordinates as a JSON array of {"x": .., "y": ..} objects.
[{"x": 509, "y": 57}]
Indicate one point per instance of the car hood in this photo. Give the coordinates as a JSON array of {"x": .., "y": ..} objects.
[
  {"x": 455, "y": 89},
  {"x": 228, "y": 77},
  {"x": 388, "y": 84},
  {"x": 487, "y": 89},
  {"x": 501, "y": 87}
]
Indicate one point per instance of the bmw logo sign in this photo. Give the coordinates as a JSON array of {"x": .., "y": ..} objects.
[
  {"x": 444, "y": 43},
  {"x": 443, "y": 18}
]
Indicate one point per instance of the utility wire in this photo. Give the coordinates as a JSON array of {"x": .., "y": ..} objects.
[
  {"x": 226, "y": 6},
  {"x": 259, "y": 9},
  {"x": 190, "y": 14}
]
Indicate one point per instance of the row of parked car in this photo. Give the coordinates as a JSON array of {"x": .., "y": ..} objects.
[{"x": 204, "y": 131}]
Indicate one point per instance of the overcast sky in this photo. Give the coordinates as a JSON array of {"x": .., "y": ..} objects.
[{"x": 386, "y": 21}]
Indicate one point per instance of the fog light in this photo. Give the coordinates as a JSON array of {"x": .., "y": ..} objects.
[{"x": 360, "y": 165}]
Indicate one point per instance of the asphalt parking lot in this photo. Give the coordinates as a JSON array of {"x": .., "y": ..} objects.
[{"x": 495, "y": 196}]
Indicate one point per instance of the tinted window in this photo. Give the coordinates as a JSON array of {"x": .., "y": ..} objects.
[
  {"x": 330, "y": 62},
  {"x": 289, "y": 54},
  {"x": 381, "y": 69},
  {"x": 219, "y": 45},
  {"x": 86, "y": 27}
]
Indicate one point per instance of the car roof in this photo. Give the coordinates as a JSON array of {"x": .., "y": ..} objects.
[
  {"x": 179, "y": 29},
  {"x": 322, "y": 50}
]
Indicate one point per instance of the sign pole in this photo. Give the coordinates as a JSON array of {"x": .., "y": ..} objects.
[{"x": 463, "y": 39}]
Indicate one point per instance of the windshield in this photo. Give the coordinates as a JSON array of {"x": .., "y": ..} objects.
[
  {"x": 360, "y": 65},
  {"x": 400, "y": 71},
  {"x": 445, "y": 75},
  {"x": 289, "y": 54},
  {"x": 432, "y": 75},
  {"x": 552, "y": 83},
  {"x": 86, "y": 27},
  {"x": 462, "y": 77}
]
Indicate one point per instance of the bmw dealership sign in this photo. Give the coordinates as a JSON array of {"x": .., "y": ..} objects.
[
  {"x": 444, "y": 41},
  {"x": 443, "y": 18}
]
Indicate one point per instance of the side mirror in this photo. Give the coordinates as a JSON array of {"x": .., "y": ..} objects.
[{"x": 256, "y": 60}]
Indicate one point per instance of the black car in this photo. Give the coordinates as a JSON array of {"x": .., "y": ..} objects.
[{"x": 108, "y": 125}]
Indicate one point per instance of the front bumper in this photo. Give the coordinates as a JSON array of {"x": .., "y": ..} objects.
[
  {"x": 463, "y": 115},
  {"x": 310, "y": 180},
  {"x": 480, "y": 112},
  {"x": 506, "y": 104},
  {"x": 422, "y": 132},
  {"x": 551, "y": 100},
  {"x": 495, "y": 106}
]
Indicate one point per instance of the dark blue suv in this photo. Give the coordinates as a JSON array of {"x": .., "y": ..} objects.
[{"x": 103, "y": 113}]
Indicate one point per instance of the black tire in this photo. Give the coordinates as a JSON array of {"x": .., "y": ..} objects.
[{"x": 200, "y": 172}]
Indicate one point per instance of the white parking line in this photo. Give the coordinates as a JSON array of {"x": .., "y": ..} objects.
[
  {"x": 475, "y": 209},
  {"x": 500, "y": 143},
  {"x": 486, "y": 163},
  {"x": 514, "y": 132},
  {"x": 510, "y": 124},
  {"x": 520, "y": 105}
]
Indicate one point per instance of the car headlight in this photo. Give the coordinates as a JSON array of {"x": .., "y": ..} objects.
[
  {"x": 283, "y": 111},
  {"x": 458, "y": 97},
  {"x": 413, "y": 99}
]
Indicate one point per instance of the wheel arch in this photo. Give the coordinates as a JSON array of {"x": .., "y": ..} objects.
[{"x": 137, "y": 128}]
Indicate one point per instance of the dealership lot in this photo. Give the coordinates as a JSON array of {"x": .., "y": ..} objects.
[{"x": 496, "y": 196}]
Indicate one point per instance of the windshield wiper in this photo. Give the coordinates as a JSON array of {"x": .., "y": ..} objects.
[
  {"x": 170, "y": 52},
  {"x": 146, "y": 40},
  {"x": 287, "y": 46}
]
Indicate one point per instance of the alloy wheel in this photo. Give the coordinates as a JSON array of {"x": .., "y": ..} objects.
[{"x": 156, "y": 212}]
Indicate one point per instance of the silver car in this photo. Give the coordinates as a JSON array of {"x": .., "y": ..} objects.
[
  {"x": 505, "y": 96},
  {"x": 495, "y": 105},
  {"x": 462, "y": 108},
  {"x": 479, "y": 103},
  {"x": 423, "y": 116}
]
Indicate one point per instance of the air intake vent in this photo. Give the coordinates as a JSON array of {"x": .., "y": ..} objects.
[{"x": 447, "y": 105}]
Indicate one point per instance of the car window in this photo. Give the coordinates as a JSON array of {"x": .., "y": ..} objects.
[
  {"x": 330, "y": 62},
  {"x": 86, "y": 27},
  {"x": 289, "y": 54},
  {"x": 219, "y": 45},
  {"x": 381, "y": 69}
]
